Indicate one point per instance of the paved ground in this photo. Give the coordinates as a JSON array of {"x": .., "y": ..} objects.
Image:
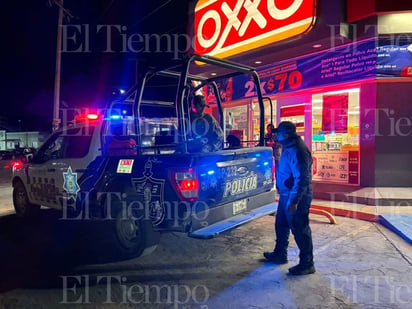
[
  {"x": 6, "y": 204},
  {"x": 50, "y": 263},
  {"x": 380, "y": 196},
  {"x": 359, "y": 265}
]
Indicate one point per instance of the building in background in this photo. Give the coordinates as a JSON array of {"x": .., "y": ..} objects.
[
  {"x": 344, "y": 77},
  {"x": 13, "y": 140}
]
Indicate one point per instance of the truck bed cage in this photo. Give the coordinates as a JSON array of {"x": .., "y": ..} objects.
[{"x": 225, "y": 68}]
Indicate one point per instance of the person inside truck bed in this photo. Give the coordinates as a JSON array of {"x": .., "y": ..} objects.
[
  {"x": 206, "y": 133},
  {"x": 120, "y": 143},
  {"x": 271, "y": 140},
  {"x": 233, "y": 141}
]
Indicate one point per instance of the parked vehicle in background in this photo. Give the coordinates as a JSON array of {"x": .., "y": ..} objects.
[{"x": 10, "y": 159}]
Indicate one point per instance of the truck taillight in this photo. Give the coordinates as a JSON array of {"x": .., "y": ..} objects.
[{"x": 186, "y": 183}]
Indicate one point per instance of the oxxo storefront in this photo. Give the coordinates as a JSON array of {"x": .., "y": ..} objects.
[{"x": 351, "y": 102}]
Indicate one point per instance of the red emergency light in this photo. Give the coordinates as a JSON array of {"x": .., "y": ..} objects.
[{"x": 86, "y": 117}]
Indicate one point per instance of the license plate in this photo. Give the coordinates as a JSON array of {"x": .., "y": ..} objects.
[{"x": 239, "y": 206}]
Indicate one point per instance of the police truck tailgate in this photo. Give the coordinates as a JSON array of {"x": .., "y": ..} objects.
[{"x": 235, "y": 187}]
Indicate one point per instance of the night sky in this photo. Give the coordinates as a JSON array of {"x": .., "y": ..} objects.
[{"x": 89, "y": 74}]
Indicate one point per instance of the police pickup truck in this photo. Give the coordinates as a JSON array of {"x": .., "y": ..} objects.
[{"x": 133, "y": 168}]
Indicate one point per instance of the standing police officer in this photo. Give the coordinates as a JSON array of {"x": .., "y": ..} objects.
[{"x": 294, "y": 183}]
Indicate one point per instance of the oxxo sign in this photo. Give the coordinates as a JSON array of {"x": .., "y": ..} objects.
[{"x": 225, "y": 28}]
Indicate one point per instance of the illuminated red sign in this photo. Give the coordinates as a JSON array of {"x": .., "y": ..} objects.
[
  {"x": 289, "y": 111},
  {"x": 225, "y": 28}
]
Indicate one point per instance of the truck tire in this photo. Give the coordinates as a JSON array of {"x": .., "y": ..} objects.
[
  {"x": 131, "y": 237},
  {"x": 22, "y": 206}
]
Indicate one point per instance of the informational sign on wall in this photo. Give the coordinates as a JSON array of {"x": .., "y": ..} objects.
[
  {"x": 394, "y": 60},
  {"x": 356, "y": 61},
  {"x": 354, "y": 167},
  {"x": 346, "y": 63},
  {"x": 336, "y": 166},
  {"x": 331, "y": 166}
]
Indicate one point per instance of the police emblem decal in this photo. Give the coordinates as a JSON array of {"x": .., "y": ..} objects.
[
  {"x": 70, "y": 184},
  {"x": 151, "y": 192}
]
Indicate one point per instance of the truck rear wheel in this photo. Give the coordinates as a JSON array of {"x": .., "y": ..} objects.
[
  {"x": 132, "y": 237},
  {"x": 129, "y": 233},
  {"x": 22, "y": 206}
]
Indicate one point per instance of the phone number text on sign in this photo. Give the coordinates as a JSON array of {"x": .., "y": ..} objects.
[{"x": 224, "y": 28}]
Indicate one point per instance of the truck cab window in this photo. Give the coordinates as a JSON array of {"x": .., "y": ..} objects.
[
  {"x": 77, "y": 142},
  {"x": 51, "y": 150}
]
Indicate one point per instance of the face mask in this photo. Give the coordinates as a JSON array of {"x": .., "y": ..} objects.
[
  {"x": 286, "y": 139},
  {"x": 281, "y": 137}
]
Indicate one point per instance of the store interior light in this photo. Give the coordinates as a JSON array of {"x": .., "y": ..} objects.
[
  {"x": 317, "y": 45},
  {"x": 353, "y": 90},
  {"x": 258, "y": 62},
  {"x": 394, "y": 23},
  {"x": 213, "y": 74}
]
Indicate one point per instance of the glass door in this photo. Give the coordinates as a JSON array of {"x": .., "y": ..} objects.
[
  {"x": 237, "y": 122},
  {"x": 295, "y": 114}
]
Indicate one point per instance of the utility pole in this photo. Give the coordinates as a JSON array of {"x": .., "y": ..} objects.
[{"x": 56, "y": 105}]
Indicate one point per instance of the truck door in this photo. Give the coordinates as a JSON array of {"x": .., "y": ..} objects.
[
  {"x": 55, "y": 176},
  {"x": 68, "y": 169},
  {"x": 41, "y": 179}
]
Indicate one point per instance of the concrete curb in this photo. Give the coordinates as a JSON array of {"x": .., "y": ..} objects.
[
  {"x": 348, "y": 213},
  {"x": 386, "y": 222},
  {"x": 371, "y": 201}
]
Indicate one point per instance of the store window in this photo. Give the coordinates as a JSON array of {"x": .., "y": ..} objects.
[
  {"x": 295, "y": 114},
  {"x": 268, "y": 114},
  {"x": 335, "y": 136},
  {"x": 243, "y": 119},
  {"x": 237, "y": 121}
]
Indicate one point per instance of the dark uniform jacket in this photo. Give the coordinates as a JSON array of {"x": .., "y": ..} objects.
[
  {"x": 206, "y": 133},
  {"x": 294, "y": 174}
]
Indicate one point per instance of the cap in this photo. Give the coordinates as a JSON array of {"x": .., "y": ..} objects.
[
  {"x": 286, "y": 127},
  {"x": 199, "y": 100}
]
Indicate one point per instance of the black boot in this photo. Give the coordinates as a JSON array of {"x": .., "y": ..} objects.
[
  {"x": 302, "y": 269},
  {"x": 275, "y": 257}
]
